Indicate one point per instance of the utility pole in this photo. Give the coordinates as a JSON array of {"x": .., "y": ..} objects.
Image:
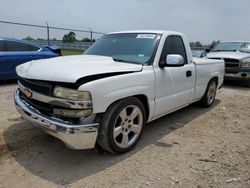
[
  {"x": 47, "y": 32},
  {"x": 91, "y": 35}
]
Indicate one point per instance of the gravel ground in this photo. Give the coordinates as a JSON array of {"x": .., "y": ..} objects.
[{"x": 193, "y": 147}]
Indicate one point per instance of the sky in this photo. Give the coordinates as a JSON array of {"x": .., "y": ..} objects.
[{"x": 200, "y": 20}]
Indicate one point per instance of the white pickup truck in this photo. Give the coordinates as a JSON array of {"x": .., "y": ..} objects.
[{"x": 106, "y": 96}]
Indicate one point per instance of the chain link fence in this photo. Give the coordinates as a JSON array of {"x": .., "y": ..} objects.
[
  {"x": 65, "y": 45},
  {"x": 53, "y": 35}
]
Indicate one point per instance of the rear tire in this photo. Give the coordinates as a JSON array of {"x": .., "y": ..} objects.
[
  {"x": 247, "y": 83},
  {"x": 209, "y": 96},
  {"x": 121, "y": 125}
]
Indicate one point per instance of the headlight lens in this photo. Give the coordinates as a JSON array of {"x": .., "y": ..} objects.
[
  {"x": 246, "y": 63},
  {"x": 72, "y": 94}
]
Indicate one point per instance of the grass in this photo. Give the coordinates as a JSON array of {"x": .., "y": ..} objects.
[{"x": 71, "y": 52}]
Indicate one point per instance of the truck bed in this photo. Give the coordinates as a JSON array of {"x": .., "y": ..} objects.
[
  {"x": 205, "y": 70},
  {"x": 201, "y": 61}
]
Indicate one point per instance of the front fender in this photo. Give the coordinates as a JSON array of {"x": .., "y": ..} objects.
[{"x": 106, "y": 91}]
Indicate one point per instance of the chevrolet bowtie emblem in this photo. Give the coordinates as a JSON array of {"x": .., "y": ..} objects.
[{"x": 27, "y": 93}]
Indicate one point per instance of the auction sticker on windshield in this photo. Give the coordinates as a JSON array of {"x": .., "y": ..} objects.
[{"x": 146, "y": 36}]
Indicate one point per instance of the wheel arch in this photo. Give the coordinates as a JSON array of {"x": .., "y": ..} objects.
[
  {"x": 203, "y": 100},
  {"x": 216, "y": 78},
  {"x": 143, "y": 99}
]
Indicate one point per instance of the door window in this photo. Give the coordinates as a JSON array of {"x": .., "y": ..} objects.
[
  {"x": 174, "y": 45},
  {"x": 17, "y": 46},
  {"x": 2, "y": 46}
]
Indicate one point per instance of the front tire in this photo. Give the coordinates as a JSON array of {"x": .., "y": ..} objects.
[
  {"x": 209, "y": 96},
  {"x": 121, "y": 125}
]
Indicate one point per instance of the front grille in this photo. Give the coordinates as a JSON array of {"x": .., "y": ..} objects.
[
  {"x": 46, "y": 109},
  {"x": 37, "y": 86},
  {"x": 45, "y": 88},
  {"x": 232, "y": 62},
  {"x": 41, "y": 106}
]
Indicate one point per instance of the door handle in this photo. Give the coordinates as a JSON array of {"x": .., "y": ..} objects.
[{"x": 189, "y": 73}]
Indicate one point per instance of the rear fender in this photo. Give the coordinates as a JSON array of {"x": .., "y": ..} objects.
[{"x": 55, "y": 49}]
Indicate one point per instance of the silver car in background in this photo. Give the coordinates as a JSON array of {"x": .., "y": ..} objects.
[{"x": 236, "y": 55}]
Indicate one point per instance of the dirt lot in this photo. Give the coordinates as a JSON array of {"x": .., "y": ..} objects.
[{"x": 193, "y": 147}]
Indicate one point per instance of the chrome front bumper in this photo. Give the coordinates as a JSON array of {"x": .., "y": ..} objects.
[
  {"x": 75, "y": 136},
  {"x": 240, "y": 75}
]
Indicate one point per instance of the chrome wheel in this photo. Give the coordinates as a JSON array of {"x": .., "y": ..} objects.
[
  {"x": 211, "y": 92},
  {"x": 128, "y": 126}
]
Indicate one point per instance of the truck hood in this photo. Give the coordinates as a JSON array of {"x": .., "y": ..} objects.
[
  {"x": 230, "y": 55},
  {"x": 71, "y": 68}
]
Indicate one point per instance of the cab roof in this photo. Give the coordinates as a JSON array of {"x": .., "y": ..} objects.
[
  {"x": 148, "y": 31},
  {"x": 240, "y": 41}
]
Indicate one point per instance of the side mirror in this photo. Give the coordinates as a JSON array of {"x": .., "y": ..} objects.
[
  {"x": 207, "y": 50},
  {"x": 203, "y": 54},
  {"x": 173, "y": 60}
]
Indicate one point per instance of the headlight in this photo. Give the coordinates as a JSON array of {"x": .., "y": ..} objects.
[
  {"x": 246, "y": 63},
  {"x": 72, "y": 94}
]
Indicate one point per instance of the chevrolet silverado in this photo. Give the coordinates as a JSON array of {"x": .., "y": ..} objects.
[{"x": 123, "y": 81}]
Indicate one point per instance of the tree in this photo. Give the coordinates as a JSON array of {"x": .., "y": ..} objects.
[
  {"x": 191, "y": 44},
  {"x": 70, "y": 37},
  {"x": 86, "y": 39},
  {"x": 198, "y": 44},
  {"x": 28, "y": 38}
]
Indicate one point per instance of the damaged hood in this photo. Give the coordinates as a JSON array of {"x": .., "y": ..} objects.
[
  {"x": 230, "y": 55},
  {"x": 71, "y": 68}
]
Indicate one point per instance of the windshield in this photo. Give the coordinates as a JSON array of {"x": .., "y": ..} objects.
[
  {"x": 130, "y": 47},
  {"x": 232, "y": 46}
]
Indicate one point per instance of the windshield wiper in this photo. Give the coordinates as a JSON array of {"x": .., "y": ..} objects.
[
  {"x": 217, "y": 50},
  {"x": 124, "y": 61},
  {"x": 224, "y": 50},
  {"x": 245, "y": 51}
]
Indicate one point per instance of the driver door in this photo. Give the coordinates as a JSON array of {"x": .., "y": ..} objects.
[{"x": 174, "y": 85}]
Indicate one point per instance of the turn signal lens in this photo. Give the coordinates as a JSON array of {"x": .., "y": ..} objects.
[{"x": 73, "y": 113}]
